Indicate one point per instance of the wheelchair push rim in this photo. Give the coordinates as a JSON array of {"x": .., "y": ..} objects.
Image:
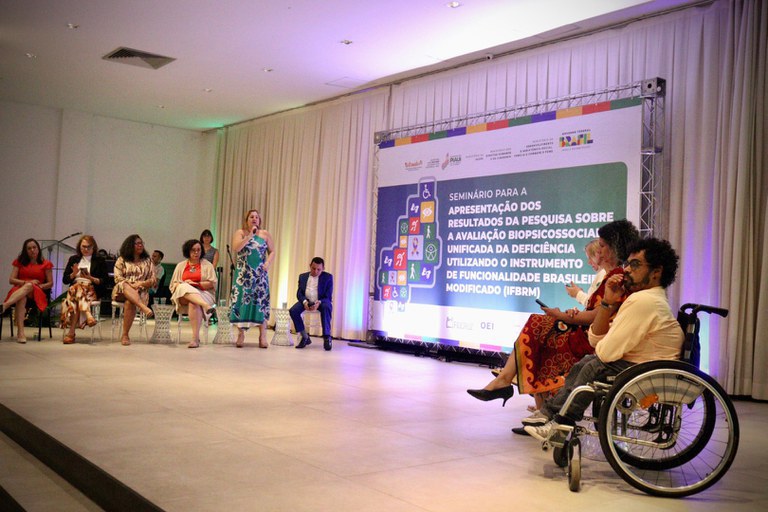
[{"x": 690, "y": 450}]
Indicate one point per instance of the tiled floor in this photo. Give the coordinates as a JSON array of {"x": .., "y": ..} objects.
[{"x": 220, "y": 428}]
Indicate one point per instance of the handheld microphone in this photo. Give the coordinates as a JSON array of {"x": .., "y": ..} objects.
[
  {"x": 255, "y": 230},
  {"x": 75, "y": 234}
]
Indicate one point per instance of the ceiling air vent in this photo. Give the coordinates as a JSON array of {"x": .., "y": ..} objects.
[{"x": 138, "y": 58}]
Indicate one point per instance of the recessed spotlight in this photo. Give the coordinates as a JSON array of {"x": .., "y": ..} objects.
[
  {"x": 73, "y": 26},
  {"x": 31, "y": 55},
  {"x": 453, "y": 5},
  {"x": 267, "y": 70},
  {"x": 161, "y": 106},
  {"x": 207, "y": 89},
  {"x": 346, "y": 42}
]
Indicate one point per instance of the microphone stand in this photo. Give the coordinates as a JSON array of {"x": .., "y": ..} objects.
[
  {"x": 57, "y": 270},
  {"x": 231, "y": 266},
  {"x": 57, "y": 242}
]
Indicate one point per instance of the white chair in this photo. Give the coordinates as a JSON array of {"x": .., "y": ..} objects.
[
  {"x": 117, "y": 323},
  {"x": 96, "y": 312},
  {"x": 313, "y": 323}
]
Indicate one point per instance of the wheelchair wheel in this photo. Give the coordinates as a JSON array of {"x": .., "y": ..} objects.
[
  {"x": 574, "y": 465},
  {"x": 668, "y": 429},
  {"x": 560, "y": 455}
]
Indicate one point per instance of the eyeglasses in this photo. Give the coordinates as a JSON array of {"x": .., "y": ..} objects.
[{"x": 635, "y": 264}]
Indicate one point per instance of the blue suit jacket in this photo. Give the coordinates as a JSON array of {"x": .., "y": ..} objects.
[{"x": 324, "y": 287}]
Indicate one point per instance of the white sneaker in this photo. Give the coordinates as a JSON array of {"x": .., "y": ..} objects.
[
  {"x": 540, "y": 432},
  {"x": 537, "y": 418}
]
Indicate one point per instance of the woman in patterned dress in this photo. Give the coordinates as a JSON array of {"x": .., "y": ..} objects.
[
  {"x": 134, "y": 276},
  {"x": 550, "y": 344},
  {"x": 31, "y": 277},
  {"x": 250, "y": 290},
  {"x": 86, "y": 275}
]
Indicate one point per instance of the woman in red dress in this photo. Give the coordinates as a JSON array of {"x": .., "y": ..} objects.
[
  {"x": 31, "y": 277},
  {"x": 550, "y": 344}
]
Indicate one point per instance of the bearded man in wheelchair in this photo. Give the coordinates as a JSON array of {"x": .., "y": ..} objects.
[{"x": 643, "y": 329}]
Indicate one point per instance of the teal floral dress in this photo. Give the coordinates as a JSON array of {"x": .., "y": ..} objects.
[{"x": 250, "y": 291}]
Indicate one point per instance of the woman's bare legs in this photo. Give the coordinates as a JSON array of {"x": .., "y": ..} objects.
[
  {"x": 196, "y": 308},
  {"x": 19, "y": 299},
  {"x": 240, "y": 338},
  {"x": 128, "y": 315},
  {"x": 73, "y": 321},
  {"x": 132, "y": 296},
  {"x": 263, "y": 334},
  {"x": 507, "y": 375}
]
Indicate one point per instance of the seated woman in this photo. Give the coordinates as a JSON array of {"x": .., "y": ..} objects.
[
  {"x": 31, "y": 276},
  {"x": 134, "y": 276},
  {"x": 592, "y": 250},
  {"x": 209, "y": 251},
  {"x": 86, "y": 273},
  {"x": 192, "y": 287},
  {"x": 550, "y": 344}
]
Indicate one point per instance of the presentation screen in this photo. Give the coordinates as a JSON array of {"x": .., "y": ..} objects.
[{"x": 476, "y": 223}]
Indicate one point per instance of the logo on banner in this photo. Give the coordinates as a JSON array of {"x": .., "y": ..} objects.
[
  {"x": 576, "y": 138},
  {"x": 450, "y": 160},
  {"x": 414, "y": 166}
]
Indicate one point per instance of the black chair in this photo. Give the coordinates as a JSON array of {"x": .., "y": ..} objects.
[{"x": 39, "y": 316}]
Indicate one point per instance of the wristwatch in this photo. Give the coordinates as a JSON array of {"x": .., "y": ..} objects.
[{"x": 606, "y": 305}]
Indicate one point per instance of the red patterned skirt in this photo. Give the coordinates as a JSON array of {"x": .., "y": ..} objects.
[{"x": 545, "y": 352}]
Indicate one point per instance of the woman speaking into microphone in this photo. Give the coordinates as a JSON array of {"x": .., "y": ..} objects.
[{"x": 250, "y": 288}]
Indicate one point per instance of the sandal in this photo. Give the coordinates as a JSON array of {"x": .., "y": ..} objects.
[
  {"x": 193, "y": 344},
  {"x": 69, "y": 339},
  {"x": 125, "y": 341},
  {"x": 91, "y": 322},
  {"x": 21, "y": 340}
]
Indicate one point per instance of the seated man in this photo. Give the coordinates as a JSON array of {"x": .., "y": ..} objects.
[
  {"x": 644, "y": 329},
  {"x": 315, "y": 293},
  {"x": 157, "y": 268}
]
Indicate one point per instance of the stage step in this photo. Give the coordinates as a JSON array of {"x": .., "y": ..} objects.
[
  {"x": 100, "y": 487},
  {"x": 30, "y": 485}
]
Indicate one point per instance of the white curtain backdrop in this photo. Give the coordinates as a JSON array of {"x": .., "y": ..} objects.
[
  {"x": 310, "y": 171},
  {"x": 309, "y": 174}
]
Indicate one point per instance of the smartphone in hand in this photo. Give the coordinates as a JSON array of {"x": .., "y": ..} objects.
[{"x": 541, "y": 303}]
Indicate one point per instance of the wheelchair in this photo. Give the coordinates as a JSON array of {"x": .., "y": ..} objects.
[{"x": 666, "y": 427}]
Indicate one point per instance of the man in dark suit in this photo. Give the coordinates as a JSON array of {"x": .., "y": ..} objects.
[{"x": 315, "y": 293}]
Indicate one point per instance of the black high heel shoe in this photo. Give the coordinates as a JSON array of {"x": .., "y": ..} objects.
[{"x": 485, "y": 395}]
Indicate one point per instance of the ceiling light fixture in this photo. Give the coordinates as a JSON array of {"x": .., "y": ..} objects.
[
  {"x": 267, "y": 70},
  {"x": 453, "y": 5},
  {"x": 346, "y": 42},
  {"x": 73, "y": 26},
  {"x": 161, "y": 106},
  {"x": 207, "y": 89},
  {"x": 31, "y": 55}
]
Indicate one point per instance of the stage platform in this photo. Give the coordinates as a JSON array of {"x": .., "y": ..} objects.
[{"x": 224, "y": 429}]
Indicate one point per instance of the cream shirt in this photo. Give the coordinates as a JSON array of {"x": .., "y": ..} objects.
[
  {"x": 311, "y": 291},
  {"x": 644, "y": 329}
]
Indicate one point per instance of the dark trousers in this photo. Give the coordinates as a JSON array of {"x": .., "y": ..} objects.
[
  {"x": 325, "y": 309},
  {"x": 588, "y": 370}
]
